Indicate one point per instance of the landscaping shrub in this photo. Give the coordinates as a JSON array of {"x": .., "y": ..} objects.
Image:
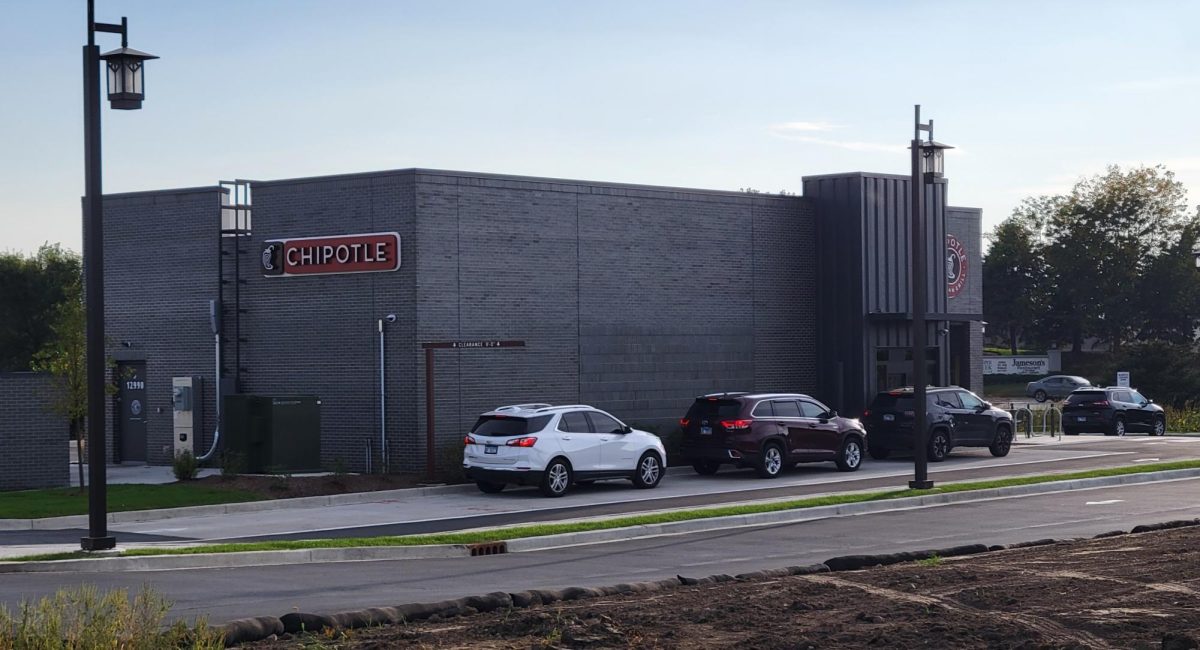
[
  {"x": 1184, "y": 419},
  {"x": 185, "y": 466},
  {"x": 82, "y": 618},
  {"x": 232, "y": 464}
]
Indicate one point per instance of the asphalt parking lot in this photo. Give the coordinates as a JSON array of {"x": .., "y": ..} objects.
[{"x": 464, "y": 507}]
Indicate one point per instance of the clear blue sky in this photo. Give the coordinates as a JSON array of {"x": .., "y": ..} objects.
[{"x": 690, "y": 93}]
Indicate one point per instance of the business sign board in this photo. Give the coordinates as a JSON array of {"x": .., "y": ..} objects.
[
  {"x": 956, "y": 267},
  {"x": 1016, "y": 365},
  {"x": 362, "y": 253},
  {"x": 1123, "y": 379}
]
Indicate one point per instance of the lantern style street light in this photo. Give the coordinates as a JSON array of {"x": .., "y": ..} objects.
[
  {"x": 928, "y": 167},
  {"x": 126, "y": 85},
  {"x": 1196, "y": 254}
]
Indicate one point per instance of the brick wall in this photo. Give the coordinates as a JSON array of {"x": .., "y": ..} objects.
[
  {"x": 160, "y": 271},
  {"x": 33, "y": 438},
  {"x": 632, "y": 298}
]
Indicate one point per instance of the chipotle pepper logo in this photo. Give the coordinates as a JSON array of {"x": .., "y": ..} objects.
[
  {"x": 956, "y": 266},
  {"x": 363, "y": 253}
]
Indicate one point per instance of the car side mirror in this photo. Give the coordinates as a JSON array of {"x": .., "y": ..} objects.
[
  {"x": 626, "y": 429},
  {"x": 831, "y": 414},
  {"x": 982, "y": 407}
]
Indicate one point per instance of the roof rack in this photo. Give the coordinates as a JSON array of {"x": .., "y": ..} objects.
[
  {"x": 521, "y": 407},
  {"x": 725, "y": 394},
  {"x": 548, "y": 407}
]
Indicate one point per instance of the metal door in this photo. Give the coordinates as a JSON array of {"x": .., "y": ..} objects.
[{"x": 131, "y": 418}]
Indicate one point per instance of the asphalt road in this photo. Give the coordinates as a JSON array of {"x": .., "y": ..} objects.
[
  {"x": 465, "y": 508},
  {"x": 224, "y": 594}
]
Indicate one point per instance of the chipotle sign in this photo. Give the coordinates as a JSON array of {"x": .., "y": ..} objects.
[{"x": 365, "y": 253}]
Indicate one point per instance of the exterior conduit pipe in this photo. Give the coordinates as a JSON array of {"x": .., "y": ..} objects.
[
  {"x": 383, "y": 465},
  {"x": 214, "y": 321}
]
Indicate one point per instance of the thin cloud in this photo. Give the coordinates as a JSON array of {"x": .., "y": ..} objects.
[
  {"x": 793, "y": 127},
  {"x": 847, "y": 144},
  {"x": 1157, "y": 84}
]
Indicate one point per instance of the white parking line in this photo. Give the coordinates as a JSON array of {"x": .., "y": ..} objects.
[
  {"x": 1104, "y": 503},
  {"x": 1145, "y": 460}
]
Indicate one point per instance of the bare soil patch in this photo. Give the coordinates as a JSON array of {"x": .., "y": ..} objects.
[{"x": 1128, "y": 591}]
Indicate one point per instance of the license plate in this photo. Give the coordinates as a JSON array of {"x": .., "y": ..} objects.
[
  {"x": 888, "y": 417},
  {"x": 491, "y": 449},
  {"x": 706, "y": 431},
  {"x": 1082, "y": 418}
]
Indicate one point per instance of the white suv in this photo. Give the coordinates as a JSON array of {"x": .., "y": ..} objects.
[{"x": 555, "y": 446}]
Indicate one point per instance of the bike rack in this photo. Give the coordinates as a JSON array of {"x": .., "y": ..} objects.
[{"x": 1028, "y": 420}]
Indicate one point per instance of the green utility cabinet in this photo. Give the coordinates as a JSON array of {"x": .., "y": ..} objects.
[{"x": 274, "y": 433}]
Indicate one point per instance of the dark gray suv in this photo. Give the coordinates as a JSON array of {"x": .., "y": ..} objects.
[
  {"x": 1113, "y": 410},
  {"x": 956, "y": 417}
]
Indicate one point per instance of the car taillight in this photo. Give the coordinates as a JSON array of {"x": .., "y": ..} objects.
[
  {"x": 468, "y": 440},
  {"x": 736, "y": 424},
  {"x": 1101, "y": 403},
  {"x": 521, "y": 442},
  {"x": 683, "y": 422},
  {"x": 867, "y": 413}
]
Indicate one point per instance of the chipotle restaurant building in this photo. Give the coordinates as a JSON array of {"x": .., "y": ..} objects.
[{"x": 410, "y": 301}]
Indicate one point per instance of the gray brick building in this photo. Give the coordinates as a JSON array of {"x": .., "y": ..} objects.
[
  {"x": 34, "y": 450},
  {"x": 631, "y": 298}
]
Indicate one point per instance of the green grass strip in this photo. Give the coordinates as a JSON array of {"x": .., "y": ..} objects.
[
  {"x": 539, "y": 530},
  {"x": 122, "y": 497}
]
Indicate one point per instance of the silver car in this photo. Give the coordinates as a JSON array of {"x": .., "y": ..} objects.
[{"x": 1055, "y": 387}]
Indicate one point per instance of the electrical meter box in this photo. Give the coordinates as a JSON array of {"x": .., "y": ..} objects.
[
  {"x": 186, "y": 406},
  {"x": 274, "y": 433}
]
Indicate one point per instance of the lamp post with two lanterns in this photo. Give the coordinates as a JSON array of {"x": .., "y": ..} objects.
[
  {"x": 928, "y": 167},
  {"x": 126, "y": 89}
]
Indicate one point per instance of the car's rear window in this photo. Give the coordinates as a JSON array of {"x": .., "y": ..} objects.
[
  {"x": 504, "y": 426},
  {"x": 1086, "y": 397},
  {"x": 714, "y": 409},
  {"x": 890, "y": 402}
]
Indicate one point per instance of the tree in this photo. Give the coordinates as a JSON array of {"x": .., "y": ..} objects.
[
  {"x": 65, "y": 357},
  {"x": 1098, "y": 242},
  {"x": 1168, "y": 292},
  {"x": 30, "y": 289},
  {"x": 1013, "y": 278}
]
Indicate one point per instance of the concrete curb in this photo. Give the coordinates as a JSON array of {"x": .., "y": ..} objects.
[
  {"x": 140, "y": 516},
  {"x": 263, "y": 627},
  {"x": 269, "y": 558}
]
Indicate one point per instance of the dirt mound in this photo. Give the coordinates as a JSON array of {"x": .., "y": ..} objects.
[{"x": 1132, "y": 591}]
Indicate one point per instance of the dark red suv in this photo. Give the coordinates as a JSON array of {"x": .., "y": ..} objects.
[{"x": 768, "y": 432}]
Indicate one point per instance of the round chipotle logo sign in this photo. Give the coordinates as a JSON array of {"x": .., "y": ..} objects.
[{"x": 956, "y": 266}]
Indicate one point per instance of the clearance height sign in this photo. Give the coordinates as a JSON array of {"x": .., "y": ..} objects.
[{"x": 365, "y": 253}]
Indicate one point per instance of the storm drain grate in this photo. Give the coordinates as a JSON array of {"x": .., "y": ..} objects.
[{"x": 488, "y": 548}]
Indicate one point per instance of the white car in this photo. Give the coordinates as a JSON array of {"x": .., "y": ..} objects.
[{"x": 554, "y": 446}]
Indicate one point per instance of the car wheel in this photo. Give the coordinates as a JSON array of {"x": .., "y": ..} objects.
[
  {"x": 850, "y": 456},
  {"x": 771, "y": 463},
  {"x": 556, "y": 479},
  {"x": 939, "y": 446},
  {"x": 1003, "y": 441},
  {"x": 1160, "y": 426},
  {"x": 487, "y": 487},
  {"x": 1039, "y": 395},
  {"x": 1118, "y": 427},
  {"x": 649, "y": 471},
  {"x": 879, "y": 453},
  {"x": 706, "y": 467}
]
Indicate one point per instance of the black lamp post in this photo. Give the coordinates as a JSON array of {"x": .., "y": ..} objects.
[
  {"x": 928, "y": 166},
  {"x": 125, "y": 91}
]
